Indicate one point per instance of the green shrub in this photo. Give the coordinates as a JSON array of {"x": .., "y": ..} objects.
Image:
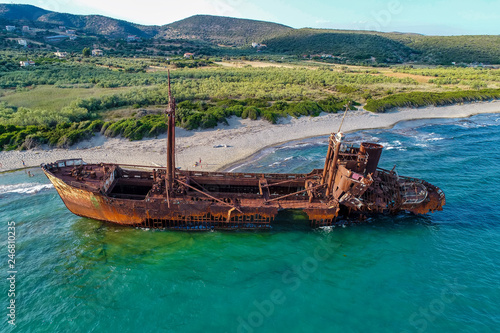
[
  {"x": 306, "y": 108},
  {"x": 417, "y": 99},
  {"x": 270, "y": 116},
  {"x": 235, "y": 110}
]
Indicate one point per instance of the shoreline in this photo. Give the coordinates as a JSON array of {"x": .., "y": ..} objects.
[
  {"x": 233, "y": 165},
  {"x": 225, "y": 147}
]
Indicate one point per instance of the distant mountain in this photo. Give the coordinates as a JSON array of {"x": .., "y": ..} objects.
[
  {"x": 90, "y": 24},
  {"x": 21, "y": 12},
  {"x": 204, "y": 34},
  {"x": 225, "y": 30},
  {"x": 215, "y": 29}
]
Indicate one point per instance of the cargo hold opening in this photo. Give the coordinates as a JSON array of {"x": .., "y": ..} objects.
[{"x": 135, "y": 189}]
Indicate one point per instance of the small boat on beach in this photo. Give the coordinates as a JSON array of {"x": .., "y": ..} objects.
[{"x": 350, "y": 185}]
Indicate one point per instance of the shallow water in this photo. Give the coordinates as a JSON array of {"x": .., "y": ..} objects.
[{"x": 405, "y": 273}]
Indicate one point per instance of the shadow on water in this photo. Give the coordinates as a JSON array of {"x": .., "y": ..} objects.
[
  {"x": 297, "y": 221},
  {"x": 96, "y": 236}
]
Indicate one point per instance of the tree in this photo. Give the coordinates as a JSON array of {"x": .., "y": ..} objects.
[{"x": 86, "y": 52}]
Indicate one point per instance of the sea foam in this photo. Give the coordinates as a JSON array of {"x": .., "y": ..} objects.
[{"x": 23, "y": 188}]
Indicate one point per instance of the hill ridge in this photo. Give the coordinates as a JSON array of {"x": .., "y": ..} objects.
[{"x": 211, "y": 34}]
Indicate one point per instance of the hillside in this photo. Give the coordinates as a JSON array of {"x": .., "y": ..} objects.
[
  {"x": 343, "y": 44},
  {"x": 389, "y": 47},
  {"x": 89, "y": 24},
  {"x": 21, "y": 12},
  {"x": 448, "y": 49},
  {"x": 209, "y": 35},
  {"x": 225, "y": 30}
]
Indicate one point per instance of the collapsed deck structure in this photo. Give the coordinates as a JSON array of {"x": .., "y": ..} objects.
[{"x": 349, "y": 185}]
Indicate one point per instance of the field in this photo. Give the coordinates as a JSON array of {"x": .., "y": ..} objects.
[
  {"x": 51, "y": 97},
  {"x": 60, "y": 102}
]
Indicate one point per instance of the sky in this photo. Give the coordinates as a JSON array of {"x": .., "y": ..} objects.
[{"x": 429, "y": 17}]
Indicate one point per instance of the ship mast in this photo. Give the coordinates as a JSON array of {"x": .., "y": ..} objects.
[
  {"x": 169, "y": 180},
  {"x": 332, "y": 156}
]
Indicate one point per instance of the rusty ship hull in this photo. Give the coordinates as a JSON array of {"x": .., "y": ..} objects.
[
  {"x": 131, "y": 196},
  {"x": 349, "y": 185}
]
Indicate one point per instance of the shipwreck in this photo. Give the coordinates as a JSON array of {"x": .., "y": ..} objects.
[{"x": 351, "y": 185}]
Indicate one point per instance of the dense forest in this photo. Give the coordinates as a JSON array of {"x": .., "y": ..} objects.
[
  {"x": 342, "y": 45},
  {"x": 453, "y": 49}
]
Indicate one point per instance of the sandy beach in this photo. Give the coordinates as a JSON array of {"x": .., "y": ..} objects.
[{"x": 226, "y": 145}]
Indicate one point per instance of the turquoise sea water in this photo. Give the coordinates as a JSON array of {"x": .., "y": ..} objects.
[{"x": 405, "y": 273}]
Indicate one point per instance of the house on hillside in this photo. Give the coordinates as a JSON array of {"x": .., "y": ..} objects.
[
  {"x": 258, "y": 46},
  {"x": 188, "y": 55},
  {"x": 133, "y": 38},
  {"x": 61, "y": 55},
  {"x": 97, "y": 53},
  {"x": 56, "y": 38},
  {"x": 71, "y": 34},
  {"x": 27, "y": 63},
  {"x": 22, "y": 42},
  {"x": 10, "y": 28},
  {"x": 26, "y": 28}
]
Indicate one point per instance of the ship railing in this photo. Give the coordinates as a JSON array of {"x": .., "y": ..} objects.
[
  {"x": 413, "y": 192},
  {"x": 136, "y": 174},
  {"x": 70, "y": 162},
  {"x": 256, "y": 176},
  {"x": 405, "y": 182},
  {"x": 63, "y": 163}
]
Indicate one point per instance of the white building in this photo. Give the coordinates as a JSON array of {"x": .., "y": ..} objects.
[
  {"x": 133, "y": 38},
  {"x": 61, "y": 54},
  {"x": 27, "y": 63},
  {"x": 10, "y": 28}
]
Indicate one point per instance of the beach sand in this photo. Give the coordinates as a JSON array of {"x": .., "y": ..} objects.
[{"x": 226, "y": 145}]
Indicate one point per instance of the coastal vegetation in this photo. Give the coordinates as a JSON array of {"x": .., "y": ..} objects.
[
  {"x": 62, "y": 101},
  {"x": 418, "y": 99}
]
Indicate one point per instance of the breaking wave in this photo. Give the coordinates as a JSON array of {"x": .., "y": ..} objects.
[{"x": 24, "y": 188}]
